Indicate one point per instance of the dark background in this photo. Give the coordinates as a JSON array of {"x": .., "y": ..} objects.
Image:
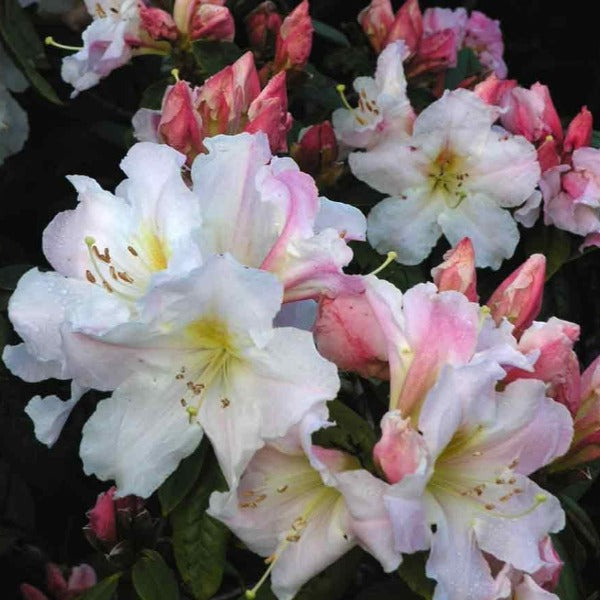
[{"x": 43, "y": 493}]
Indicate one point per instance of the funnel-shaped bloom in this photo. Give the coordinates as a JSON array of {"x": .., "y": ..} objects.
[
  {"x": 203, "y": 357},
  {"x": 383, "y": 107},
  {"x": 287, "y": 508},
  {"x": 269, "y": 216},
  {"x": 460, "y": 483},
  {"x": 455, "y": 175},
  {"x": 107, "y": 252}
]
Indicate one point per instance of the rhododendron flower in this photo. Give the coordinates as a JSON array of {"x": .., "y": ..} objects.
[
  {"x": 426, "y": 330},
  {"x": 484, "y": 37},
  {"x": 572, "y": 194},
  {"x": 383, "y": 107},
  {"x": 292, "y": 233},
  {"x": 14, "y": 126},
  {"x": 458, "y": 480},
  {"x": 107, "y": 252},
  {"x": 455, "y": 175},
  {"x": 109, "y": 42},
  {"x": 287, "y": 508},
  {"x": 207, "y": 360},
  {"x": 158, "y": 23},
  {"x": 229, "y": 102}
]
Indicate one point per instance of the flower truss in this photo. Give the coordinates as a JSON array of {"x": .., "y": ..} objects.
[{"x": 238, "y": 355}]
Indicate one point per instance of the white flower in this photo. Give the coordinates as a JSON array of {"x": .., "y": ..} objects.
[
  {"x": 206, "y": 359},
  {"x": 383, "y": 107},
  {"x": 455, "y": 176}
]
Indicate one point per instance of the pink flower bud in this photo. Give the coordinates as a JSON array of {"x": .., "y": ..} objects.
[
  {"x": 316, "y": 152},
  {"x": 268, "y": 113},
  {"x": 180, "y": 125},
  {"x": 102, "y": 517},
  {"x": 437, "y": 19},
  {"x": 158, "y": 23},
  {"x": 457, "y": 272},
  {"x": 31, "y": 593},
  {"x": 548, "y": 154},
  {"x": 531, "y": 113},
  {"x": 557, "y": 364},
  {"x": 376, "y": 21},
  {"x": 519, "y": 296},
  {"x": 294, "y": 40},
  {"x": 401, "y": 450},
  {"x": 579, "y": 132},
  {"x": 262, "y": 25},
  {"x": 407, "y": 26},
  {"x": 348, "y": 333},
  {"x": 212, "y": 22},
  {"x": 493, "y": 90},
  {"x": 436, "y": 52}
]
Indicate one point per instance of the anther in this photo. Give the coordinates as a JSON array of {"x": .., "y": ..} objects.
[
  {"x": 90, "y": 277},
  {"x": 132, "y": 250}
]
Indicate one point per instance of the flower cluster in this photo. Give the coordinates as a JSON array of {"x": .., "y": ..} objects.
[{"x": 223, "y": 308}]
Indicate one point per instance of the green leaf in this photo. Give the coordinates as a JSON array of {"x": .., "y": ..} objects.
[
  {"x": 581, "y": 522},
  {"x": 595, "y": 143},
  {"x": 199, "y": 541},
  {"x": 22, "y": 40},
  {"x": 333, "y": 582},
  {"x": 412, "y": 571},
  {"x": 553, "y": 243},
  {"x": 466, "y": 66},
  {"x": 152, "y": 579},
  {"x": 153, "y": 95},
  {"x": 319, "y": 89},
  {"x": 213, "y": 56},
  {"x": 331, "y": 34},
  {"x": 103, "y": 590},
  {"x": 567, "y": 588},
  {"x": 350, "y": 433},
  {"x": 179, "y": 483}
]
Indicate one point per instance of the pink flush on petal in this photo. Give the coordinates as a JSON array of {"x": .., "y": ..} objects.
[
  {"x": 348, "y": 333},
  {"x": 401, "y": 449}
]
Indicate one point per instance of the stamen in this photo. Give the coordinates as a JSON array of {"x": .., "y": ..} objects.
[
  {"x": 49, "y": 41},
  {"x": 175, "y": 74},
  {"x": 341, "y": 88},
  {"x": 391, "y": 256}
]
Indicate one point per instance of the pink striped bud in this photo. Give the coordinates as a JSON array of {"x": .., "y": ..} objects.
[
  {"x": 519, "y": 296},
  {"x": 457, "y": 272}
]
